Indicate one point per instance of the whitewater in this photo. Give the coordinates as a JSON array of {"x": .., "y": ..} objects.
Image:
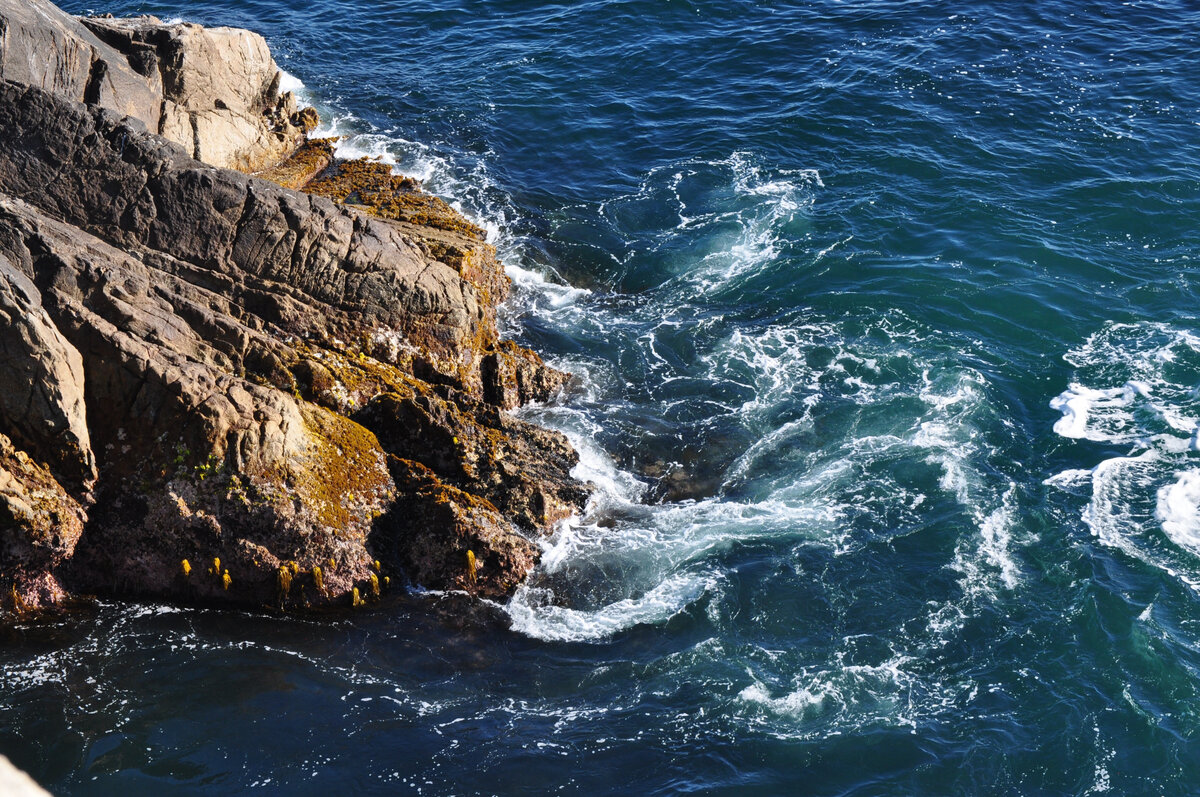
[{"x": 884, "y": 322}]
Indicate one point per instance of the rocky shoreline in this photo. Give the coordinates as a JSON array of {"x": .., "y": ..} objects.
[{"x": 283, "y": 390}]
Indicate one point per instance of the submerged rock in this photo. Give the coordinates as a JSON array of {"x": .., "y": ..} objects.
[{"x": 214, "y": 388}]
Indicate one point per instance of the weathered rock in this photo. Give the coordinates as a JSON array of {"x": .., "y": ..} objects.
[
  {"x": 44, "y": 47},
  {"x": 277, "y": 389},
  {"x": 195, "y": 461},
  {"x": 445, "y": 538},
  {"x": 220, "y": 89},
  {"x": 513, "y": 376},
  {"x": 371, "y": 185},
  {"x": 214, "y": 91},
  {"x": 275, "y": 251},
  {"x": 302, "y": 167},
  {"x": 40, "y": 524},
  {"x": 41, "y": 383},
  {"x": 521, "y": 469},
  {"x": 479, "y": 458}
]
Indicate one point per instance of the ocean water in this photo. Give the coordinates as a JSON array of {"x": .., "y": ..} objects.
[{"x": 887, "y": 316}]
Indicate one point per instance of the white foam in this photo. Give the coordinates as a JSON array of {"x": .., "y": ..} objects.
[
  {"x": 556, "y": 294},
  {"x": 652, "y": 546},
  {"x": 782, "y": 196},
  {"x": 1135, "y": 385},
  {"x": 289, "y": 82},
  {"x": 1178, "y": 510},
  {"x": 1115, "y": 482},
  {"x": 854, "y": 695},
  {"x": 532, "y": 616},
  {"x": 996, "y": 536},
  {"x": 1070, "y": 479},
  {"x": 1111, "y": 423},
  {"x": 466, "y": 193},
  {"x": 806, "y": 701},
  {"x": 958, "y": 401}
]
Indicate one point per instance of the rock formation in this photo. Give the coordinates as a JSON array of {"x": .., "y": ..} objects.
[
  {"x": 213, "y": 91},
  {"x": 215, "y": 388}
]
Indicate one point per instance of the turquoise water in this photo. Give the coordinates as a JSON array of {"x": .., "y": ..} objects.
[{"x": 887, "y": 317}]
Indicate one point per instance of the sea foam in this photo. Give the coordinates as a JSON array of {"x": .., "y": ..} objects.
[{"x": 1135, "y": 386}]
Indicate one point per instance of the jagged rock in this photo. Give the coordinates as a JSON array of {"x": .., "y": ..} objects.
[
  {"x": 485, "y": 458},
  {"x": 521, "y": 469},
  {"x": 44, "y": 47},
  {"x": 220, "y": 89},
  {"x": 272, "y": 249},
  {"x": 435, "y": 532},
  {"x": 270, "y": 380},
  {"x": 214, "y": 91},
  {"x": 513, "y": 376},
  {"x": 195, "y": 462}
]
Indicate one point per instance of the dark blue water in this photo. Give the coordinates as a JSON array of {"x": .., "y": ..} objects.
[{"x": 888, "y": 317}]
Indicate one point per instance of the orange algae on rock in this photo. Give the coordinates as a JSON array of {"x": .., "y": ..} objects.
[
  {"x": 371, "y": 185},
  {"x": 309, "y": 160}
]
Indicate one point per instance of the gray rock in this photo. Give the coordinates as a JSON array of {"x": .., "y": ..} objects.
[
  {"x": 44, "y": 47},
  {"x": 41, "y": 383},
  {"x": 214, "y": 91},
  {"x": 274, "y": 250},
  {"x": 220, "y": 88}
]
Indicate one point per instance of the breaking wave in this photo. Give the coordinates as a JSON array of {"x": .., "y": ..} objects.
[{"x": 1135, "y": 392}]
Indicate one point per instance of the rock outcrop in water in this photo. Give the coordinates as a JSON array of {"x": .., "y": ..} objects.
[{"x": 216, "y": 388}]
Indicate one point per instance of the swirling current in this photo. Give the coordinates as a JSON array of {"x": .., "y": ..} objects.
[{"x": 886, "y": 316}]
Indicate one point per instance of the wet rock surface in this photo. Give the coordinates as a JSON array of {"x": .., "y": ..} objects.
[{"x": 214, "y": 388}]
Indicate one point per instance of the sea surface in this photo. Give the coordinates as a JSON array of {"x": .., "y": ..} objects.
[{"x": 887, "y": 317}]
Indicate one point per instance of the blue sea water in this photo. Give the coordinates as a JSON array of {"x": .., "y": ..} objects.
[{"x": 887, "y": 317}]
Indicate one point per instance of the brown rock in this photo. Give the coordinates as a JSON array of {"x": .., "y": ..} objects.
[
  {"x": 242, "y": 394},
  {"x": 521, "y": 469},
  {"x": 513, "y": 376},
  {"x": 195, "y": 462},
  {"x": 40, "y": 524},
  {"x": 312, "y": 158},
  {"x": 433, "y": 527}
]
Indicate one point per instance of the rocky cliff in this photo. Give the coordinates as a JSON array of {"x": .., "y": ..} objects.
[{"x": 217, "y": 388}]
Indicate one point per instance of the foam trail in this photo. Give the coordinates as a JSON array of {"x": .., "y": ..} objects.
[
  {"x": 563, "y": 624},
  {"x": 809, "y": 502}
]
